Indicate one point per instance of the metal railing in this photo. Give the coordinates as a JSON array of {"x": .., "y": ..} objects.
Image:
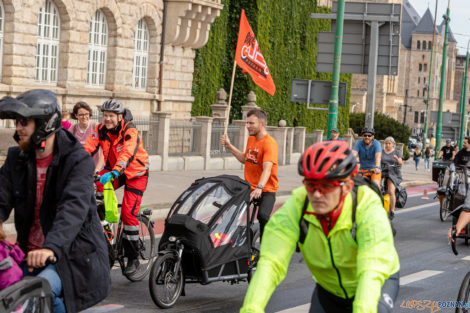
[
  {"x": 233, "y": 133},
  {"x": 185, "y": 138}
]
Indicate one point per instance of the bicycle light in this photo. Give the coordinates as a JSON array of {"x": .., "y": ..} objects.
[{"x": 172, "y": 239}]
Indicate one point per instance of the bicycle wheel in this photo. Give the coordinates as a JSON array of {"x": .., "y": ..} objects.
[
  {"x": 440, "y": 179},
  {"x": 165, "y": 284},
  {"x": 255, "y": 248},
  {"x": 444, "y": 209},
  {"x": 146, "y": 249},
  {"x": 464, "y": 294}
]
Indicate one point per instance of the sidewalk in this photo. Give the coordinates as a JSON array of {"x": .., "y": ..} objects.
[{"x": 164, "y": 187}]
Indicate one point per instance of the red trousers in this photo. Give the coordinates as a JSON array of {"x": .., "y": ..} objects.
[{"x": 133, "y": 192}]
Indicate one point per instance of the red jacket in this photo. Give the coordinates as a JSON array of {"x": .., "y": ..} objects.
[{"x": 126, "y": 150}]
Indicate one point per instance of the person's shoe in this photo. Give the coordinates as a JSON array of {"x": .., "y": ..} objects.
[
  {"x": 391, "y": 215},
  {"x": 132, "y": 266}
]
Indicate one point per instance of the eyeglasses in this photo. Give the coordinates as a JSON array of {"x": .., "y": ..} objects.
[
  {"x": 83, "y": 115},
  {"x": 22, "y": 121},
  {"x": 322, "y": 188},
  {"x": 367, "y": 135}
]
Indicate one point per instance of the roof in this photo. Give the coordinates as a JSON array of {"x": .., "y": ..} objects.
[
  {"x": 426, "y": 24},
  {"x": 410, "y": 18},
  {"x": 442, "y": 29}
]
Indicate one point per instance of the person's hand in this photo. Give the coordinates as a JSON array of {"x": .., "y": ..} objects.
[
  {"x": 225, "y": 141},
  {"x": 255, "y": 194},
  {"x": 376, "y": 170},
  {"x": 38, "y": 258},
  {"x": 106, "y": 177},
  {"x": 395, "y": 157}
]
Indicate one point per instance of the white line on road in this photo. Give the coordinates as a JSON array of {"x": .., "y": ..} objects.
[
  {"x": 420, "y": 194},
  {"x": 408, "y": 279},
  {"x": 418, "y": 207},
  {"x": 298, "y": 309},
  {"x": 467, "y": 258}
]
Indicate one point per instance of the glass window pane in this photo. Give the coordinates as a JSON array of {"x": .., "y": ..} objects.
[
  {"x": 211, "y": 204},
  {"x": 190, "y": 200},
  {"x": 231, "y": 227}
]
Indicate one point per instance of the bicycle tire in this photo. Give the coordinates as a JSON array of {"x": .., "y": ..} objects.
[
  {"x": 146, "y": 249},
  {"x": 162, "y": 275},
  {"x": 444, "y": 209},
  {"x": 453, "y": 241},
  {"x": 440, "y": 179},
  {"x": 464, "y": 294},
  {"x": 254, "y": 257}
]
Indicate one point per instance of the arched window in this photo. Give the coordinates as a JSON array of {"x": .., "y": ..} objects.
[
  {"x": 424, "y": 45},
  {"x": 47, "y": 49},
  {"x": 141, "y": 55},
  {"x": 2, "y": 18},
  {"x": 98, "y": 45},
  {"x": 418, "y": 45},
  {"x": 429, "y": 45}
]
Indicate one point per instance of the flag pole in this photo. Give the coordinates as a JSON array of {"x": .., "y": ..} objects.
[{"x": 230, "y": 98}]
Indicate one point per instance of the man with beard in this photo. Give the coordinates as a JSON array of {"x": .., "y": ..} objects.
[
  {"x": 126, "y": 161},
  {"x": 369, "y": 152},
  {"x": 260, "y": 159},
  {"x": 48, "y": 180}
]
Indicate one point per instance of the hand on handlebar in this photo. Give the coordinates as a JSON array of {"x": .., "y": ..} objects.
[
  {"x": 376, "y": 170},
  {"x": 40, "y": 258},
  {"x": 255, "y": 194}
]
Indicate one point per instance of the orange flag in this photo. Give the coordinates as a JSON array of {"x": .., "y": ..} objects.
[{"x": 248, "y": 56}]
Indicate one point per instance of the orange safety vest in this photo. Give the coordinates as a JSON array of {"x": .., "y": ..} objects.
[{"x": 130, "y": 155}]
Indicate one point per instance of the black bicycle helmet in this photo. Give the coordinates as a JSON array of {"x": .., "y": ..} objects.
[
  {"x": 328, "y": 160},
  {"x": 368, "y": 130},
  {"x": 38, "y": 104},
  {"x": 113, "y": 105}
]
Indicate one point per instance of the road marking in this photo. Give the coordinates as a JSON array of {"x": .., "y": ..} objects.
[
  {"x": 420, "y": 194},
  {"x": 104, "y": 308},
  {"x": 467, "y": 258},
  {"x": 418, "y": 207},
  {"x": 298, "y": 309},
  {"x": 408, "y": 279}
]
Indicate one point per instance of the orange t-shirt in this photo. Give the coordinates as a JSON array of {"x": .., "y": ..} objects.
[{"x": 257, "y": 152}]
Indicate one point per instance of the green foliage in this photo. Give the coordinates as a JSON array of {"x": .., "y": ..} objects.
[
  {"x": 406, "y": 153},
  {"x": 384, "y": 126},
  {"x": 288, "y": 40}
]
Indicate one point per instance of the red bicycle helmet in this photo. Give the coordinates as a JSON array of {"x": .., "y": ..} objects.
[{"x": 328, "y": 160}]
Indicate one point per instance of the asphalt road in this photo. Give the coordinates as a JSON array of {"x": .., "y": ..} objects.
[{"x": 429, "y": 273}]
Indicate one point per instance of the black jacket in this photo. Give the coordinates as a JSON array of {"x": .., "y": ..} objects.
[{"x": 68, "y": 217}]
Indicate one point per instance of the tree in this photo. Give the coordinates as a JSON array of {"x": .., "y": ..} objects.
[{"x": 384, "y": 126}]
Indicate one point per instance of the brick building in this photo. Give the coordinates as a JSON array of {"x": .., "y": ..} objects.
[{"x": 92, "y": 50}]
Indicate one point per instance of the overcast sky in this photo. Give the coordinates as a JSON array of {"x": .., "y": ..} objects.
[{"x": 459, "y": 17}]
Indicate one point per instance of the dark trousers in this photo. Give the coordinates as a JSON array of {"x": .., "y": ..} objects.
[
  {"x": 265, "y": 208},
  {"x": 325, "y": 302}
]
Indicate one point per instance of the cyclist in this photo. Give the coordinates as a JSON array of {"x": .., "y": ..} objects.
[
  {"x": 260, "y": 159},
  {"x": 462, "y": 158},
  {"x": 48, "y": 181},
  {"x": 447, "y": 152},
  {"x": 369, "y": 151},
  {"x": 127, "y": 162},
  {"x": 391, "y": 161},
  {"x": 351, "y": 276}
]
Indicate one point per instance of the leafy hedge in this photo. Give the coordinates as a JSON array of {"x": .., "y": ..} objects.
[
  {"x": 289, "y": 49},
  {"x": 384, "y": 126}
]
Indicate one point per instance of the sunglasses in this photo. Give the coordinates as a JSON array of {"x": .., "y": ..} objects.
[
  {"x": 22, "y": 121},
  {"x": 83, "y": 115},
  {"x": 367, "y": 135},
  {"x": 322, "y": 188}
]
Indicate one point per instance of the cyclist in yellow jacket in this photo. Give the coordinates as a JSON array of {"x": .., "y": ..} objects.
[{"x": 350, "y": 253}]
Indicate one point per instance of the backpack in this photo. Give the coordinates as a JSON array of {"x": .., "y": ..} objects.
[
  {"x": 10, "y": 258},
  {"x": 358, "y": 181},
  {"x": 401, "y": 195}
]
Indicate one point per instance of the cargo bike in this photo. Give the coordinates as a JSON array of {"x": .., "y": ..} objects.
[{"x": 209, "y": 236}]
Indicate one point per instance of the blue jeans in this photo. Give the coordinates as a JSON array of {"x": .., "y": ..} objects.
[
  {"x": 50, "y": 274},
  {"x": 426, "y": 163}
]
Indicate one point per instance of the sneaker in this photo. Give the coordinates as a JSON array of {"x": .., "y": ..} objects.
[
  {"x": 132, "y": 266},
  {"x": 391, "y": 215}
]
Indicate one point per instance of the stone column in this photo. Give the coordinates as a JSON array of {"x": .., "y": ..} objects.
[
  {"x": 299, "y": 132},
  {"x": 243, "y": 137},
  {"x": 250, "y": 104},
  {"x": 280, "y": 135},
  {"x": 349, "y": 139},
  {"x": 317, "y": 135},
  {"x": 289, "y": 144},
  {"x": 219, "y": 109},
  {"x": 205, "y": 142},
  {"x": 163, "y": 137}
]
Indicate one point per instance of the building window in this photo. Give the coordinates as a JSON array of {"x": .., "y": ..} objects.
[
  {"x": 417, "y": 93},
  {"x": 429, "y": 45},
  {"x": 424, "y": 92},
  {"x": 425, "y": 67},
  {"x": 47, "y": 49},
  {"x": 424, "y": 45},
  {"x": 421, "y": 119},
  {"x": 419, "y": 80},
  {"x": 2, "y": 18},
  {"x": 141, "y": 53},
  {"x": 418, "y": 45},
  {"x": 416, "y": 116},
  {"x": 424, "y": 80},
  {"x": 97, "y": 45},
  {"x": 420, "y": 67}
]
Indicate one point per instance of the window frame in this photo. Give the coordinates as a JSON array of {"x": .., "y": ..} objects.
[
  {"x": 97, "y": 50},
  {"x": 47, "y": 47}
]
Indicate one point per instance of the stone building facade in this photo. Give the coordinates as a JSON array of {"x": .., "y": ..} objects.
[
  {"x": 140, "y": 52},
  {"x": 408, "y": 90},
  {"x": 459, "y": 72}
]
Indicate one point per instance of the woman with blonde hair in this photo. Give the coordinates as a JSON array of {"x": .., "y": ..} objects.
[{"x": 391, "y": 162}]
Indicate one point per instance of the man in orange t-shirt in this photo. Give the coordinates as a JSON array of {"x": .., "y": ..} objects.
[{"x": 260, "y": 159}]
